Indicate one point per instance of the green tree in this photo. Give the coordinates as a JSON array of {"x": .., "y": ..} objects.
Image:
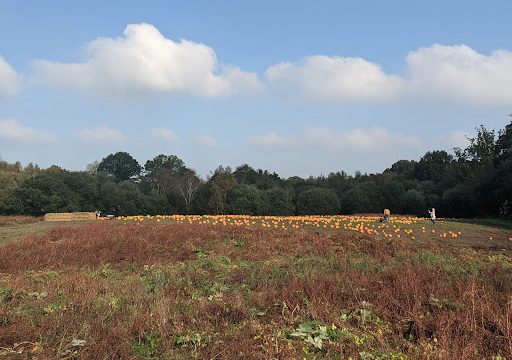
[
  {"x": 220, "y": 183},
  {"x": 427, "y": 189},
  {"x": 278, "y": 202},
  {"x": 121, "y": 166},
  {"x": 245, "y": 200},
  {"x": 433, "y": 165},
  {"x": 262, "y": 179},
  {"x": 167, "y": 174},
  {"x": 405, "y": 168},
  {"x": 9, "y": 203},
  {"x": 459, "y": 201},
  {"x": 362, "y": 198},
  {"x": 503, "y": 177},
  {"x": 481, "y": 148},
  {"x": 474, "y": 174},
  {"x": 171, "y": 163},
  {"x": 413, "y": 203},
  {"x": 245, "y": 175},
  {"x": 318, "y": 201},
  {"x": 46, "y": 192},
  {"x": 390, "y": 193}
]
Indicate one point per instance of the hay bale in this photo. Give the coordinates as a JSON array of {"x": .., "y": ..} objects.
[{"x": 76, "y": 216}]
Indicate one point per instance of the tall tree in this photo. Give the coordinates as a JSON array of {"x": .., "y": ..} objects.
[
  {"x": 432, "y": 165},
  {"x": 121, "y": 166},
  {"x": 405, "y": 168},
  {"x": 473, "y": 193},
  {"x": 482, "y": 147},
  {"x": 503, "y": 153},
  {"x": 221, "y": 181},
  {"x": 188, "y": 186},
  {"x": 162, "y": 172}
]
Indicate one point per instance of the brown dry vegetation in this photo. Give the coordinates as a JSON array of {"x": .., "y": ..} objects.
[
  {"x": 18, "y": 219},
  {"x": 175, "y": 291}
]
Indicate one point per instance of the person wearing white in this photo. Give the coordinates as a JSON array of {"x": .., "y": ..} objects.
[{"x": 433, "y": 215}]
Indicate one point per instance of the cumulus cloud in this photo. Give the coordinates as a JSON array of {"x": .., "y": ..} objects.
[
  {"x": 335, "y": 79},
  {"x": 269, "y": 140},
  {"x": 144, "y": 60},
  {"x": 460, "y": 73},
  {"x": 13, "y": 130},
  {"x": 100, "y": 134},
  {"x": 165, "y": 134},
  {"x": 207, "y": 141},
  {"x": 454, "y": 73},
  {"x": 10, "y": 81}
]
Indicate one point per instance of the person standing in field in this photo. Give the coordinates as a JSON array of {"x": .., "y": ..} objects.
[
  {"x": 432, "y": 215},
  {"x": 387, "y": 215}
]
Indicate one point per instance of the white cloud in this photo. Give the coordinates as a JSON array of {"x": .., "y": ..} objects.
[
  {"x": 13, "y": 130},
  {"x": 317, "y": 150},
  {"x": 144, "y": 60},
  {"x": 335, "y": 79},
  {"x": 269, "y": 140},
  {"x": 10, "y": 81},
  {"x": 165, "y": 134},
  {"x": 206, "y": 141},
  {"x": 373, "y": 139},
  {"x": 100, "y": 134},
  {"x": 462, "y": 74},
  {"x": 455, "y": 73}
]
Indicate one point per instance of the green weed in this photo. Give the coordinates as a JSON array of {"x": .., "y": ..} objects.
[
  {"x": 315, "y": 333},
  {"x": 147, "y": 346},
  {"x": 6, "y": 294},
  {"x": 447, "y": 262},
  {"x": 155, "y": 281},
  {"x": 201, "y": 253}
]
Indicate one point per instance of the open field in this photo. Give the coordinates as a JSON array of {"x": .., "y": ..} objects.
[
  {"x": 255, "y": 288},
  {"x": 17, "y": 219},
  {"x": 499, "y": 223}
]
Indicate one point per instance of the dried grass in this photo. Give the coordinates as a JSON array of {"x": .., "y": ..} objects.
[
  {"x": 237, "y": 292},
  {"x": 18, "y": 219}
]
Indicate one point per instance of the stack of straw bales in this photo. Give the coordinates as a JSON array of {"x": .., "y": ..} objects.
[{"x": 76, "y": 216}]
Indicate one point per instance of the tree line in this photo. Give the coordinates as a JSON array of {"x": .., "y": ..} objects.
[{"x": 472, "y": 182}]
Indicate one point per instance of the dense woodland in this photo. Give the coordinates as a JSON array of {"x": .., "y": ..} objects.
[{"x": 471, "y": 182}]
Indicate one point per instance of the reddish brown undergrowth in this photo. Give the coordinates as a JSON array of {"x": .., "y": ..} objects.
[
  {"x": 120, "y": 244},
  {"x": 170, "y": 291},
  {"x": 18, "y": 219}
]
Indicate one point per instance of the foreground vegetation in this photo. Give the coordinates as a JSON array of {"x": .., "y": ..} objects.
[{"x": 240, "y": 287}]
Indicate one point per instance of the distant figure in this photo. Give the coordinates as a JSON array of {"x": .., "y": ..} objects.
[
  {"x": 387, "y": 215},
  {"x": 432, "y": 215},
  {"x": 98, "y": 214}
]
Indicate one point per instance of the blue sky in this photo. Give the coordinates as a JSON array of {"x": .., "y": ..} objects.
[{"x": 296, "y": 87}]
